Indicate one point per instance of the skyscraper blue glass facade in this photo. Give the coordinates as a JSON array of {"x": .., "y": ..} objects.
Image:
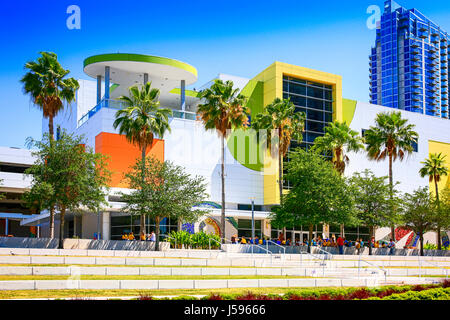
[{"x": 409, "y": 63}]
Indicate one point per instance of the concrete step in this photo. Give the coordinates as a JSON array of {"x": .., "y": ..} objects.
[
  {"x": 158, "y": 271},
  {"x": 203, "y": 254},
  {"x": 200, "y": 284}
]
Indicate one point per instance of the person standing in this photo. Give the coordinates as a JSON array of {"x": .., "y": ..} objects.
[
  {"x": 153, "y": 237},
  {"x": 340, "y": 244},
  {"x": 391, "y": 247}
]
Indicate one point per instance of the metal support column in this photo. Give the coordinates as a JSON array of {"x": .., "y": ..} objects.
[
  {"x": 107, "y": 70},
  {"x": 183, "y": 96},
  {"x": 145, "y": 78},
  {"x": 99, "y": 88}
]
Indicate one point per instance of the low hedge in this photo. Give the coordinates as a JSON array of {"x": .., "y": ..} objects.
[
  {"x": 431, "y": 294},
  {"x": 440, "y": 291}
]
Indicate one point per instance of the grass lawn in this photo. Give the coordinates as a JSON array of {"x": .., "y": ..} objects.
[
  {"x": 143, "y": 277},
  {"x": 36, "y": 294}
]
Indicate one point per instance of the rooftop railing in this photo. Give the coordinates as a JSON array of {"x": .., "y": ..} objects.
[{"x": 117, "y": 105}]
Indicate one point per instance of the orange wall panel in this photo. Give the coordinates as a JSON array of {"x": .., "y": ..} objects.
[{"x": 122, "y": 154}]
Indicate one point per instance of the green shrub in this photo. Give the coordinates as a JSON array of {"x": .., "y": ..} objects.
[
  {"x": 430, "y": 246},
  {"x": 430, "y": 294},
  {"x": 199, "y": 240}
]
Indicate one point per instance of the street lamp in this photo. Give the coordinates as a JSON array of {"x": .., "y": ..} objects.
[{"x": 253, "y": 222}]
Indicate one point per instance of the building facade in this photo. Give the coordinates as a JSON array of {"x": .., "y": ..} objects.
[
  {"x": 409, "y": 63},
  {"x": 251, "y": 172}
]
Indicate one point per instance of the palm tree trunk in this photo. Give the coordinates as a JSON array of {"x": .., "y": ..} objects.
[
  {"x": 52, "y": 209},
  {"x": 180, "y": 224},
  {"x": 142, "y": 226},
  {"x": 50, "y": 128},
  {"x": 421, "y": 243},
  {"x": 61, "y": 227},
  {"x": 52, "y": 222},
  {"x": 438, "y": 227},
  {"x": 280, "y": 174},
  {"x": 222, "y": 174},
  {"x": 391, "y": 188}
]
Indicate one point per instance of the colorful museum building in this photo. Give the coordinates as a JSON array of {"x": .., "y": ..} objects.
[{"x": 251, "y": 173}]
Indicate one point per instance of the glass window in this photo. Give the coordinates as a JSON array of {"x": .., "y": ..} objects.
[
  {"x": 314, "y": 126},
  {"x": 314, "y": 104},
  {"x": 315, "y": 92},
  {"x": 298, "y": 101},
  {"x": 297, "y": 89},
  {"x": 315, "y": 115}
]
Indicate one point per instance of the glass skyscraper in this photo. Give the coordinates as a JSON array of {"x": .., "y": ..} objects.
[{"x": 409, "y": 63}]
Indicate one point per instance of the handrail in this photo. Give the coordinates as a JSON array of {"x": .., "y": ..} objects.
[
  {"x": 218, "y": 242},
  {"x": 284, "y": 249},
  {"x": 326, "y": 252},
  {"x": 261, "y": 247},
  {"x": 378, "y": 267},
  {"x": 435, "y": 265},
  {"x": 314, "y": 256}
]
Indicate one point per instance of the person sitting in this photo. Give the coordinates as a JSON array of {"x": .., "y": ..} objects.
[
  {"x": 243, "y": 241},
  {"x": 142, "y": 236},
  {"x": 233, "y": 239},
  {"x": 125, "y": 236},
  {"x": 261, "y": 241},
  {"x": 131, "y": 236}
]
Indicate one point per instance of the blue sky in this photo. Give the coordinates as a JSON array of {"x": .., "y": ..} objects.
[{"x": 234, "y": 37}]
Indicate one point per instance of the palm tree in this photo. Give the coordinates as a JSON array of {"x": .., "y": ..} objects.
[
  {"x": 141, "y": 120},
  {"x": 48, "y": 89},
  {"x": 280, "y": 116},
  {"x": 223, "y": 111},
  {"x": 391, "y": 137},
  {"x": 338, "y": 138},
  {"x": 434, "y": 167}
]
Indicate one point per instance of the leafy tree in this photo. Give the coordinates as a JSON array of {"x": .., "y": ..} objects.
[
  {"x": 419, "y": 213},
  {"x": 48, "y": 88},
  {"x": 434, "y": 167},
  {"x": 162, "y": 190},
  {"x": 391, "y": 137},
  {"x": 373, "y": 202},
  {"x": 223, "y": 110},
  {"x": 67, "y": 175},
  {"x": 318, "y": 194},
  {"x": 279, "y": 117},
  {"x": 142, "y": 120}
]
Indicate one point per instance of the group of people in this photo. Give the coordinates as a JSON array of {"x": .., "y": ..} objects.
[
  {"x": 143, "y": 237},
  {"x": 340, "y": 242}
]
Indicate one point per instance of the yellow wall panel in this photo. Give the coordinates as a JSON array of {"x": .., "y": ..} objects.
[
  {"x": 444, "y": 148},
  {"x": 272, "y": 77}
]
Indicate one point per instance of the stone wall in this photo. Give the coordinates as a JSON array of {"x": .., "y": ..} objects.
[{"x": 16, "y": 242}]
